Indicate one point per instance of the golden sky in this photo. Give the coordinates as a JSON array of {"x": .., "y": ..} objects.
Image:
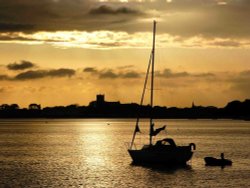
[{"x": 61, "y": 52}]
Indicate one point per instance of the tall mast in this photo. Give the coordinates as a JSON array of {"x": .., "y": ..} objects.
[{"x": 152, "y": 83}]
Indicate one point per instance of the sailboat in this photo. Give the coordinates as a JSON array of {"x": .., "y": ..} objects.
[{"x": 164, "y": 151}]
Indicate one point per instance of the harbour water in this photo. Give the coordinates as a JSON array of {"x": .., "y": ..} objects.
[{"x": 93, "y": 153}]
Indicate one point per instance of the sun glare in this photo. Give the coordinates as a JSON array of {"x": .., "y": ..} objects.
[{"x": 117, "y": 40}]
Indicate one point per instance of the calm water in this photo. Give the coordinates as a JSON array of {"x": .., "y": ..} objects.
[{"x": 93, "y": 153}]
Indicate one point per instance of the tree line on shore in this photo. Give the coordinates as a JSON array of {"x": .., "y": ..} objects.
[{"x": 103, "y": 109}]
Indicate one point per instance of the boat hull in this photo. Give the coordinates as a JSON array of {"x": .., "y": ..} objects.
[
  {"x": 211, "y": 161},
  {"x": 167, "y": 156}
]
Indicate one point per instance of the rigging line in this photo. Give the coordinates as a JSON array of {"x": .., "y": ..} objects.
[
  {"x": 152, "y": 83},
  {"x": 146, "y": 79},
  {"x": 144, "y": 87},
  {"x": 142, "y": 98},
  {"x": 145, "y": 83}
]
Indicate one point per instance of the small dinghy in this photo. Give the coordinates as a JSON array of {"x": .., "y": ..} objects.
[{"x": 211, "y": 161}]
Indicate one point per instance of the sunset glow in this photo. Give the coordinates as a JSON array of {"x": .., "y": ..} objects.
[{"x": 66, "y": 51}]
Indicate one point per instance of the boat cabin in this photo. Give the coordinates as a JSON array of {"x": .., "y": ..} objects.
[{"x": 166, "y": 141}]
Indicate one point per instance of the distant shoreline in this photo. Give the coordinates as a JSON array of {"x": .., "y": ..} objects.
[
  {"x": 235, "y": 110},
  {"x": 70, "y": 118}
]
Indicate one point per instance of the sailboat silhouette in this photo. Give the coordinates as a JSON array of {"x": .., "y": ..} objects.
[{"x": 164, "y": 151}]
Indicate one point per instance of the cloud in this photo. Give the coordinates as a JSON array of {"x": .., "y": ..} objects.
[
  {"x": 20, "y": 66},
  {"x": 220, "y": 81},
  {"x": 167, "y": 73},
  {"x": 61, "y": 72},
  {"x": 106, "y": 10},
  {"x": 126, "y": 72},
  {"x": 90, "y": 69},
  {"x": 125, "y": 67},
  {"x": 116, "y": 40},
  {"x": 240, "y": 82},
  {"x": 67, "y": 14},
  {"x": 37, "y": 74},
  {"x": 108, "y": 74},
  {"x": 240, "y": 77},
  {"x": 119, "y": 72},
  {"x": 204, "y": 75},
  {"x": 131, "y": 74},
  {"x": 112, "y": 75},
  {"x": 226, "y": 43},
  {"x": 28, "y": 75},
  {"x": 186, "y": 18},
  {"x": 8, "y": 27}
]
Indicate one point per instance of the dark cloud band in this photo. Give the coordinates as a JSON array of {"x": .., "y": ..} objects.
[
  {"x": 104, "y": 9},
  {"x": 20, "y": 66},
  {"x": 37, "y": 74},
  {"x": 8, "y": 27}
]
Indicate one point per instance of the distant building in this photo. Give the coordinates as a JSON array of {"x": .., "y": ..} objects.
[
  {"x": 193, "y": 105},
  {"x": 100, "y": 102}
]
